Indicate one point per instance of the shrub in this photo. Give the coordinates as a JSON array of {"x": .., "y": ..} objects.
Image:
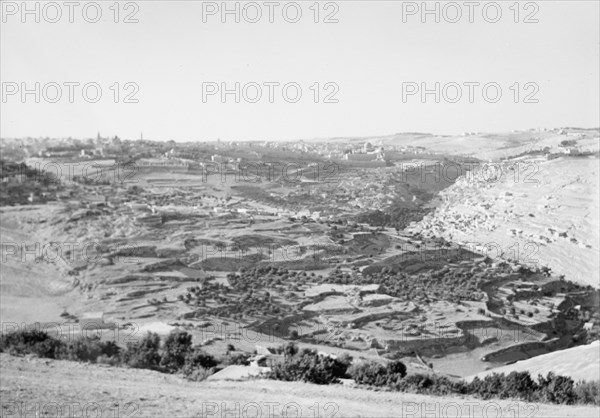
[
  {"x": 110, "y": 349},
  {"x": 89, "y": 349},
  {"x": 376, "y": 374},
  {"x": 416, "y": 382},
  {"x": 568, "y": 143},
  {"x": 486, "y": 388},
  {"x": 41, "y": 344},
  {"x": 31, "y": 342},
  {"x": 368, "y": 373},
  {"x": 308, "y": 366},
  {"x": 236, "y": 359},
  {"x": 199, "y": 374},
  {"x": 588, "y": 392},
  {"x": 557, "y": 389},
  {"x": 197, "y": 359},
  {"x": 109, "y": 361},
  {"x": 290, "y": 350},
  {"x": 552, "y": 388},
  {"x": 430, "y": 384},
  {"x": 143, "y": 354},
  {"x": 517, "y": 385},
  {"x": 396, "y": 368},
  {"x": 175, "y": 349}
]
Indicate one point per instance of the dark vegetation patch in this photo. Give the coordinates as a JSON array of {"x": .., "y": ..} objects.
[
  {"x": 244, "y": 242},
  {"x": 233, "y": 262},
  {"x": 24, "y": 185},
  {"x": 393, "y": 217},
  {"x": 415, "y": 261}
]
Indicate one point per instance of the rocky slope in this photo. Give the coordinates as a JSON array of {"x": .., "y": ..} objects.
[{"x": 537, "y": 211}]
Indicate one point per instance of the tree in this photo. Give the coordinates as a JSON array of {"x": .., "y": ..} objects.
[
  {"x": 176, "y": 347},
  {"x": 309, "y": 366},
  {"x": 369, "y": 373},
  {"x": 198, "y": 360},
  {"x": 517, "y": 385},
  {"x": 143, "y": 354},
  {"x": 290, "y": 350},
  {"x": 557, "y": 389},
  {"x": 396, "y": 368}
]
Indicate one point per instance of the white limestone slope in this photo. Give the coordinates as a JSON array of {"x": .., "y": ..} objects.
[
  {"x": 546, "y": 215},
  {"x": 580, "y": 363}
]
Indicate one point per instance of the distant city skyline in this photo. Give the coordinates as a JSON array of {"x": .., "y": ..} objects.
[
  {"x": 315, "y": 139},
  {"x": 372, "y": 60}
]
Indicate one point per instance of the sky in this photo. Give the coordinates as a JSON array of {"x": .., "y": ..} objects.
[{"x": 358, "y": 71}]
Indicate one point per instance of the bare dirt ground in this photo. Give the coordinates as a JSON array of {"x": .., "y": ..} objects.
[{"x": 30, "y": 383}]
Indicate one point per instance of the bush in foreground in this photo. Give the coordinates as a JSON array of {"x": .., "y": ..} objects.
[
  {"x": 376, "y": 374},
  {"x": 89, "y": 350},
  {"x": 143, "y": 354},
  {"x": 430, "y": 384},
  {"x": 556, "y": 389},
  {"x": 197, "y": 360},
  {"x": 309, "y": 366},
  {"x": 178, "y": 355},
  {"x": 31, "y": 342},
  {"x": 588, "y": 392},
  {"x": 176, "y": 348}
]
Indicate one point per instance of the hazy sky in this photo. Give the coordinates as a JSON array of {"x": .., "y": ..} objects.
[{"x": 367, "y": 55}]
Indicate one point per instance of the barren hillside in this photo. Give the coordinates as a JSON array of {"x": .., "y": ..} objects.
[{"x": 537, "y": 211}]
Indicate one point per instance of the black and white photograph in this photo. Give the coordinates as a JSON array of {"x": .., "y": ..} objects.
[{"x": 299, "y": 209}]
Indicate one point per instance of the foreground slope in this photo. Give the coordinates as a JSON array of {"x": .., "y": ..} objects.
[{"x": 33, "y": 380}]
